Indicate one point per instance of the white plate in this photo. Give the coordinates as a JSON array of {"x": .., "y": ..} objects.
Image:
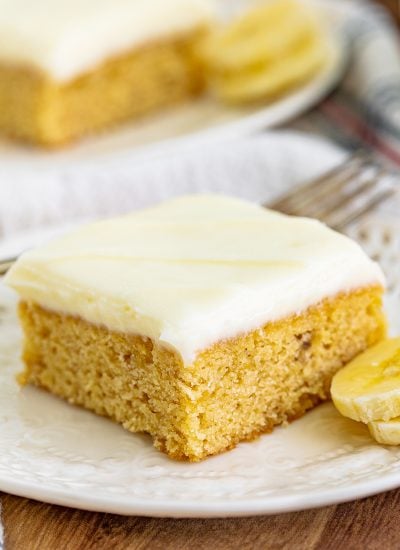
[
  {"x": 194, "y": 123},
  {"x": 54, "y": 452}
]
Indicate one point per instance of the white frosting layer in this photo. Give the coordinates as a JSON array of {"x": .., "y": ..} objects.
[
  {"x": 65, "y": 38},
  {"x": 193, "y": 271}
]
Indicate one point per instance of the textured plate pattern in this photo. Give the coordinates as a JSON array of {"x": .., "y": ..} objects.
[{"x": 58, "y": 453}]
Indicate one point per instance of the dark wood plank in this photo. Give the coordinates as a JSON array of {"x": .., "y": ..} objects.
[
  {"x": 35, "y": 526},
  {"x": 369, "y": 524},
  {"x": 393, "y": 6}
]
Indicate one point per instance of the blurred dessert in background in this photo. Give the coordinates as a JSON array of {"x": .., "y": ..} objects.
[
  {"x": 74, "y": 67},
  {"x": 274, "y": 46},
  {"x": 69, "y": 68}
]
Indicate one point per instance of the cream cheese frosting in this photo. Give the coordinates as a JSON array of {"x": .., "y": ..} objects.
[
  {"x": 192, "y": 271},
  {"x": 65, "y": 38}
]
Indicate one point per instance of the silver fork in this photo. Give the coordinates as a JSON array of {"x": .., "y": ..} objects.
[
  {"x": 341, "y": 196},
  {"x": 338, "y": 198}
]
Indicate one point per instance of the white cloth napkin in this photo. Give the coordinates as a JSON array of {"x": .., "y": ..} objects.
[{"x": 254, "y": 168}]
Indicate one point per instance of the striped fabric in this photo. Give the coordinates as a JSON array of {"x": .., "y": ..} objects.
[{"x": 364, "y": 111}]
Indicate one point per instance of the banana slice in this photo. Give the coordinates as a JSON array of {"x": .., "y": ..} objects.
[
  {"x": 273, "y": 47},
  {"x": 387, "y": 433},
  {"x": 265, "y": 43},
  {"x": 263, "y": 15},
  {"x": 276, "y": 79},
  {"x": 368, "y": 388}
]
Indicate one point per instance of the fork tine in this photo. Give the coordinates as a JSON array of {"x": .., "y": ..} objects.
[
  {"x": 345, "y": 194},
  {"x": 316, "y": 201},
  {"x": 342, "y": 196},
  {"x": 338, "y": 176},
  {"x": 344, "y": 219}
]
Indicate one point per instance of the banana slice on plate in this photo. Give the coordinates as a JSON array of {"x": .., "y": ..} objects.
[
  {"x": 387, "y": 433},
  {"x": 368, "y": 388},
  {"x": 276, "y": 79},
  {"x": 274, "y": 47},
  {"x": 268, "y": 34}
]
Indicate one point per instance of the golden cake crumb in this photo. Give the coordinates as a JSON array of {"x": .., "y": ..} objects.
[{"x": 233, "y": 391}]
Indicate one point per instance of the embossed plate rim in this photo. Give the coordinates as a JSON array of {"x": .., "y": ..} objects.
[{"x": 195, "y": 509}]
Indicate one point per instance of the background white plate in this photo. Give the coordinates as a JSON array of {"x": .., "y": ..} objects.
[
  {"x": 57, "y": 453},
  {"x": 194, "y": 123}
]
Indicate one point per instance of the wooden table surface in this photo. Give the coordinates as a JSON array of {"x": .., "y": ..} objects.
[
  {"x": 393, "y": 6},
  {"x": 369, "y": 524}
]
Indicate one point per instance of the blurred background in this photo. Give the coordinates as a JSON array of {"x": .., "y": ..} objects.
[{"x": 267, "y": 86}]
